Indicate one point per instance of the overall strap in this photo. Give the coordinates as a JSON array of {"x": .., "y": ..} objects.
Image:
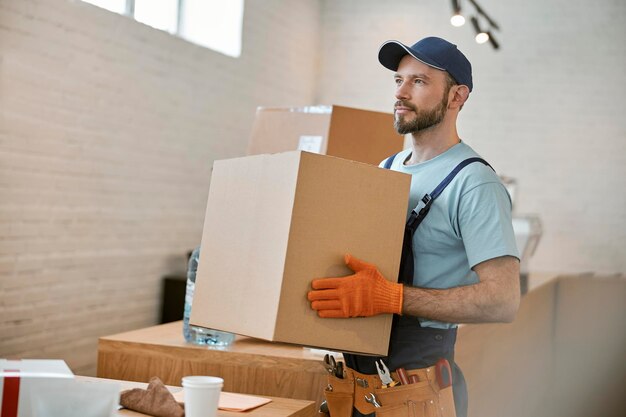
[
  {"x": 423, "y": 206},
  {"x": 419, "y": 213},
  {"x": 389, "y": 161},
  {"x": 452, "y": 174},
  {"x": 417, "y": 216}
]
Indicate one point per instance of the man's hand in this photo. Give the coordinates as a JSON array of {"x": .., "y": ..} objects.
[{"x": 364, "y": 294}]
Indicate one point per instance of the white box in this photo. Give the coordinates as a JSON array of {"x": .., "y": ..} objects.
[{"x": 21, "y": 378}]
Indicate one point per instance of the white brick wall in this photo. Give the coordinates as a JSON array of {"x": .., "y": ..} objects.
[
  {"x": 547, "y": 108},
  {"x": 108, "y": 130}
]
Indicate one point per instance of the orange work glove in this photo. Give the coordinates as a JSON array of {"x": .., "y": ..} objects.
[{"x": 364, "y": 294}]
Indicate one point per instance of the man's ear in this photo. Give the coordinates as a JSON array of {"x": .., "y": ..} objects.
[{"x": 460, "y": 94}]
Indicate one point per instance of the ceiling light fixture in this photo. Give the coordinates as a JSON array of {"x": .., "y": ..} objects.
[
  {"x": 480, "y": 11},
  {"x": 482, "y": 36},
  {"x": 457, "y": 19},
  {"x": 493, "y": 41}
]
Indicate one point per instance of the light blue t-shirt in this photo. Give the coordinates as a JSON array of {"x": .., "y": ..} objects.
[{"x": 470, "y": 222}]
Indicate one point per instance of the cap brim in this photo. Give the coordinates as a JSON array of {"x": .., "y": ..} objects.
[{"x": 391, "y": 53}]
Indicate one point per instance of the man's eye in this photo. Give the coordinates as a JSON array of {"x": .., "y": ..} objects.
[
  {"x": 418, "y": 81},
  {"x": 398, "y": 81}
]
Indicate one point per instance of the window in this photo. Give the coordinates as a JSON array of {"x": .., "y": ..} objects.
[
  {"x": 161, "y": 14},
  {"x": 215, "y": 24},
  {"x": 117, "y": 6}
]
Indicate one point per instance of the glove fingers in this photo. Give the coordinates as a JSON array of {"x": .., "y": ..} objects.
[
  {"x": 356, "y": 264},
  {"x": 332, "y": 314},
  {"x": 326, "y": 305},
  {"x": 326, "y": 283},
  {"x": 323, "y": 295}
]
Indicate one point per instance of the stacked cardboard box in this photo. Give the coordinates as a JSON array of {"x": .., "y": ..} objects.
[{"x": 345, "y": 132}]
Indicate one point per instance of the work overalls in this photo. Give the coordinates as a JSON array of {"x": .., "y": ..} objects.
[{"x": 412, "y": 346}]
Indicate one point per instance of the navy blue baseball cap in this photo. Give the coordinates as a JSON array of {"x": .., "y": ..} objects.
[{"x": 432, "y": 51}]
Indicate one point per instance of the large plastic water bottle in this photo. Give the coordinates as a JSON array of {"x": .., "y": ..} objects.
[{"x": 194, "y": 334}]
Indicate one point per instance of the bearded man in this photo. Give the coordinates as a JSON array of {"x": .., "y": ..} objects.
[{"x": 461, "y": 265}]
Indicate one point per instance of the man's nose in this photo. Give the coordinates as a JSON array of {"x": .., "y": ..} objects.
[{"x": 402, "y": 92}]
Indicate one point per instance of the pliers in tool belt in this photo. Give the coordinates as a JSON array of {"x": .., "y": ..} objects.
[
  {"x": 384, "y": 374},
  {"x": 332, "y": 366}
]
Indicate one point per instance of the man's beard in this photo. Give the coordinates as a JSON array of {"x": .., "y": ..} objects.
[{"x": 424, "y": 119}]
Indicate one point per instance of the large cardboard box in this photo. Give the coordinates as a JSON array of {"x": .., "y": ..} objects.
[
  {"x": 20, "y": 380},
  {"x": 274, "y": 223},
  {"x": 359, "y": 135}
]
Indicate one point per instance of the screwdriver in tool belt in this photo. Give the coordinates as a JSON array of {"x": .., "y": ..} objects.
[
  {"x": 402, "y": 376},
  {"x": 405, "y": 378}
]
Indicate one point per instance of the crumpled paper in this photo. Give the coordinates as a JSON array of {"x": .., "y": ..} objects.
[{"x": 156, "y": 400}]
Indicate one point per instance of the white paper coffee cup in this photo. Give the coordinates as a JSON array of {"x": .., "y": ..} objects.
[{"x": 202, "y": 395}]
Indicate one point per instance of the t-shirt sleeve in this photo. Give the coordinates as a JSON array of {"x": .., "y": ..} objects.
[{"x": 485, "y": 223}]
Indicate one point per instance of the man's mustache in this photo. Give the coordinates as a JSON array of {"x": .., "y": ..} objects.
[{"x": 401, "y": 103}]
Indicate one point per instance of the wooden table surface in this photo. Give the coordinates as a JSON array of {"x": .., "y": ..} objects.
[
  {"x": 278, "y": 407},
  {"x": 248, "y": 366}
]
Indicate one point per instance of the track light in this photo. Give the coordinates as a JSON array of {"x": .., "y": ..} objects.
[
  {"x": 480, "y": 11},
  {"x": 457, "y": 18},
  {"x": 493, "y": 41},
  {"x": 481, "y": 35}
]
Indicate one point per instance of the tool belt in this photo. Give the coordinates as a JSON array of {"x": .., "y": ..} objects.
[{"x": 422, "y": 398}]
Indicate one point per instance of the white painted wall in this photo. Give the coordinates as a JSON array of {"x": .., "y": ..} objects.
[
  {"x": 547, "y": 108},
  {"x": 108, "y": 129}
]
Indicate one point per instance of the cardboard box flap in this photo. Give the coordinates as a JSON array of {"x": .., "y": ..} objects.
[
  {"x": 349, "y": 133},
  {"x": 256, "y": 192},
  {"x": 279, "y": 130},
  {"x": 362, "y": 135}
]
